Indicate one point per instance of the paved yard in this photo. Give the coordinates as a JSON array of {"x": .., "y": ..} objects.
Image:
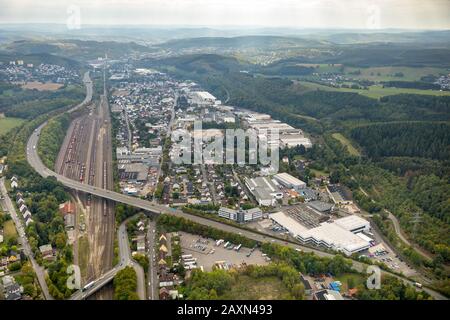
[{"x": 213, "y": 253}]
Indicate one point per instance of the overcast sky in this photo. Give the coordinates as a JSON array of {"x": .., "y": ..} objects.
[{"x": 372, "y": 14}]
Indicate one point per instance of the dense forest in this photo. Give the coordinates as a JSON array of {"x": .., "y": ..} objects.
[
  {"x": 426, "y": 140},
  {"x": 38, "y": 104},
  {"x": 52, "y": 136}
]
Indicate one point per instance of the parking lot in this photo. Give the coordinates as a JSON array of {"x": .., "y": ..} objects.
[
  {"x": 207, "y": 253},
  {"x": 388, "y": 257}
]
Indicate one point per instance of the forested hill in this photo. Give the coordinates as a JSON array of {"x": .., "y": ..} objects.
[
  {"x": 260, "y": 42},
  {"x": 425, "y": 140}
]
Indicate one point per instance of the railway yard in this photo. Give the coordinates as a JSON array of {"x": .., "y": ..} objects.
[{"x": 86, "y": 156}]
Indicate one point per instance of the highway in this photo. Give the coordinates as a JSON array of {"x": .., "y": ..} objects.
[
  {"x": 23, "y": 240},
  {"x": 36, "y": 163},
  {"x": 8, "y": 205},
  {"x": 152, "y": 288},
  {"x": 89, "y": 90}
]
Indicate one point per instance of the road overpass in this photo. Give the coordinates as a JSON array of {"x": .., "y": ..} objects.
[
  {"x": 125, "y": 259},
  {"x": 35, "y": 162}
]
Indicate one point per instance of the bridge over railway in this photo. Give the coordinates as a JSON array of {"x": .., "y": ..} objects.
[{"x": 35, "y": 162}]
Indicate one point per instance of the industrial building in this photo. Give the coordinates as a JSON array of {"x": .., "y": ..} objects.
[
  {"x": 202, "y": 98},
  {"x": 294, "y": 140},
  {"x": 322, "y": 207},
  {"x": 265, "y": 190},
  {"x": 133, "y": 172},
  {"x": 240, "y": 215},
  {"x": 290, "y": 181},
  {"x": 338, "y": 235}
]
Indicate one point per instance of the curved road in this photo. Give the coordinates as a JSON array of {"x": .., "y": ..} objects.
[
  {"x": 34, "y": 160},
  {"x": 125, "y": 259}
]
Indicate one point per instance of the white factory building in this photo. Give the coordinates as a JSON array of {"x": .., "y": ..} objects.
[
  {"x": 339, "y": 235},
  {"x": 265, "y": 190},
  {"x": 294, "y": 140},
  {"x": 202, "y": 98},
  {"x": 289, "y": 181}
]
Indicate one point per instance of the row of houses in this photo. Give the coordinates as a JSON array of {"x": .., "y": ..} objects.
[
  {"x": 26, "y": 214},
  {"x": 168, "y": 280}
]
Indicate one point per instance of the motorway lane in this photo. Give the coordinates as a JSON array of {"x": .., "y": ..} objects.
[
  {"x": 152, "y": 288},
  {"x": 23, "y": 240},
  {"x": 36, "y": 163},
  {"x": 7, "y": 203}
]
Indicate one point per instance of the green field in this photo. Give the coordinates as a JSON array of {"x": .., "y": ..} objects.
[
  {"x": 247, "y": 288},
  {"x": 350, "y": 148},
  {"x": 388, "y": 73},
  {"x": 7, "y": 124},
  {"x": 375, "y": 91},
  {"x": 83, "y": 254},
  {"x": 354, "y": 279},
  {"x": 319, "y": 173},
  {"x": 9, "y": 230}
]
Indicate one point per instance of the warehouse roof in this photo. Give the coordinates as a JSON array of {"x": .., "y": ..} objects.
[
  {"x": 320, "y": 206},
  {"x": 289, "y": 179},
  {"x": 329, "y": 234},
  {"x": 351, "y": 222}
]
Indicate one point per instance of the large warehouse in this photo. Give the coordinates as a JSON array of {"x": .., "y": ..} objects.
[
  {"x": 265, "y": 191},
  {"x": 289, "y": 181},
  {"x": 335, "y": 235}
]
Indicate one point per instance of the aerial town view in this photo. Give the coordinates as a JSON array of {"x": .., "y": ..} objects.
[{"x": 285, "y": 150}]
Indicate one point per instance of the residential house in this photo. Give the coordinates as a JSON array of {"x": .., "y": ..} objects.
[
  {"x": 28, "y": 221},
  {"x": 13, "y": 292},
  {"x": 164, "y": 294},
  {"x": 46, "y": 251},
  {"x": 67, "y": 208}
]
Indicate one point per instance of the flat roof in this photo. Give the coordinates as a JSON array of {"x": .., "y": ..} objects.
[
  {"x": 287, "y": 178},
  {"x": 364, "y": 237},
  {"x": 351, "y": 222},
  {"x": 327, "y": 233},
  {"x": 205, "y": 95},
  {"x": 320, "y": 205}
]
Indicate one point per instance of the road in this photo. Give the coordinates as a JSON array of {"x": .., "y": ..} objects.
[
  {"x": 152, "y": 287},
  {"x": 398, "y": 229},
  {"x": 8, "y": 206},
  {"x": 89, "y": 90},
  {"x": 125, "y": 259},
  {"x": 36, "y": 163},
  {"x": 210, "y": 184},
  {"x": 168, "y": 135}
]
